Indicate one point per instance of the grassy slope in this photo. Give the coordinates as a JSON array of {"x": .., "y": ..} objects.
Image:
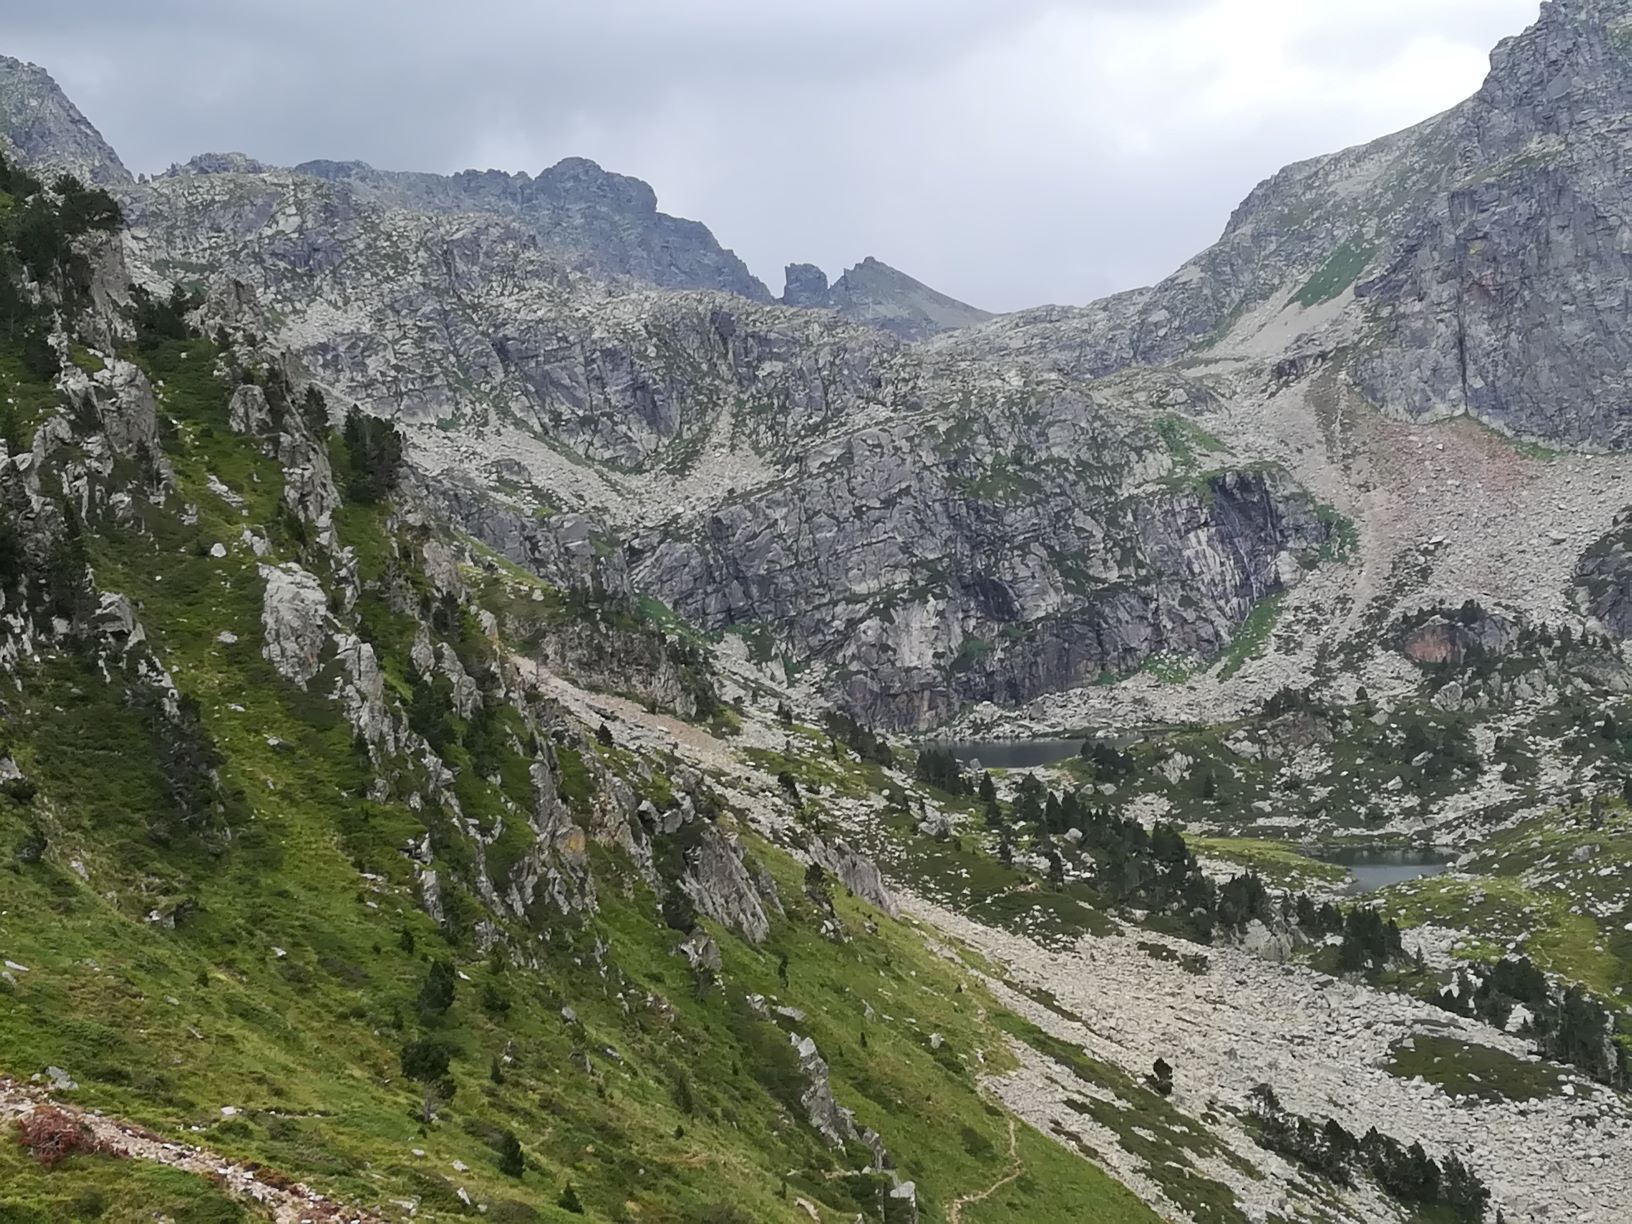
[{"x": 110, "y": 1191}]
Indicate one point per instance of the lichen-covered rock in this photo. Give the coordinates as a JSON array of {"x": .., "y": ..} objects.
[
  {"x": 700, "y": 951},
  {"x": 115, "y": 622},
  {"x": 555, "y": 871},
  {"x": 831, "y": 1120},
  {"x": 294, "y": 621},
  {"x": 309, "y": 491},
  {"x": 719, "y": 884},
  {"x": 361, "y": 693},
  {"x": 858, "y": 874},
  {"x": 248, "y": 412}
]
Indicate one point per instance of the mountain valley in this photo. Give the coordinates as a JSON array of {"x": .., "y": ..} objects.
[{"x": 481, "y": 673}]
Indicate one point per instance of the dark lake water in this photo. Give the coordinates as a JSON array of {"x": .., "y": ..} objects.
[
  {"x": 1374, "y": 869},
  {"x": 1014, "y": 754}
]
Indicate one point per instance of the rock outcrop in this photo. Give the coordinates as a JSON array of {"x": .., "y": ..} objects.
[
  {"x": 826, "y": 1116},
  {"x": 1604, "y": 579},
  {"x": 719, "y": 884},
  {"x": 294, "y": 618}
]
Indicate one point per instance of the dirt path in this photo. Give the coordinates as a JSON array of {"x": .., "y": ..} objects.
[
  {"x": 286, "y": 1201},
  {"x": 954, "y": 1210}
]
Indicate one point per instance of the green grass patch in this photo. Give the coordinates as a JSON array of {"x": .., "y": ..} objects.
[
  {"x": 1280, "y": 863},
  {"x": 103, "y": 1188},
  {"x": 1185, "y": 440},
  {"x": 1252, "y": 637},
  {"x": 1465, "y": 1069},
  {"x": 1344, "y": 267}
]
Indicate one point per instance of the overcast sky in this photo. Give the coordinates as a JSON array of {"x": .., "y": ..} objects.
[{"x": 1009, "y": 152}]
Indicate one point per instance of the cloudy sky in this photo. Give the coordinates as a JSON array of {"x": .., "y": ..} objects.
[{"x": 1008, "y": 152}]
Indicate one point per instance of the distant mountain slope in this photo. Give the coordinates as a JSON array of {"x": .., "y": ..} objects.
[
  {"x": 878, "y": 295},
  {"x": 47, "y": 131},
  {"x": 608, "y": 222},
  {"x": 1479, "y": 263}
]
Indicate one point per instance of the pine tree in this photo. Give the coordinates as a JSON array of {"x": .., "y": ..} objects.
[
  {"x": 1161, "y": 1077},
  {"x": 436, "y": 994},
  {"x": 512, "y": 1163}
]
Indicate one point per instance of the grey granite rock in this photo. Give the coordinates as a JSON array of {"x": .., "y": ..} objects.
[
  {"x": 40, "y": 126},
  {"x": 805, "y": 285},
  {"x": 295, "y": 621}
]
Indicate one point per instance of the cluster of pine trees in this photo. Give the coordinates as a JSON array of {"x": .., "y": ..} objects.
[
  {"x": 1406, "y": 1174},
  {"x": 1568, "y": 1025},
  {"x": 1154, "y": 869},
  {"x": 843, "y": 727},
  {"x": 38, "y": 233}
]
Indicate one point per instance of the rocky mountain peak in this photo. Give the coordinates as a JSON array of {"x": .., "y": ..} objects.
[
  {"x": 47, "y": 131},
  {"x": 1572, "y": 65},
  {"x": 335, "y": 171},
  {"x": 579, "y": 179},
  {"x": 604, "y": 223},
  {"x": 219, "y": 163},
  {"x": 880, "y": 296},
  {"x": 805, "y": 285}
]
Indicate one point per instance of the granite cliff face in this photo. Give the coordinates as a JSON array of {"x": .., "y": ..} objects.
[
  {"x": 1040, "y": 539},
  {"x": 874, "y": 293}
]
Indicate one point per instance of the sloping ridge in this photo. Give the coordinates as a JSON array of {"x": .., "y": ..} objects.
[
  {"x": 42, "y": 126},
  {"x": 610, "y": 221}
]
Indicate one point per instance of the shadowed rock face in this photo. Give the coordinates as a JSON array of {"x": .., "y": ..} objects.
[
  {"x": 1604, "y": 579},
  {"x": 1447, "y": 642},
  {"x": 934, "y": 569}
]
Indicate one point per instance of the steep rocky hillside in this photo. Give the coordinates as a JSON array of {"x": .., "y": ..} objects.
[
  {"x": 309, "y": 863},
  {"x": 451, "y": 630}
]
